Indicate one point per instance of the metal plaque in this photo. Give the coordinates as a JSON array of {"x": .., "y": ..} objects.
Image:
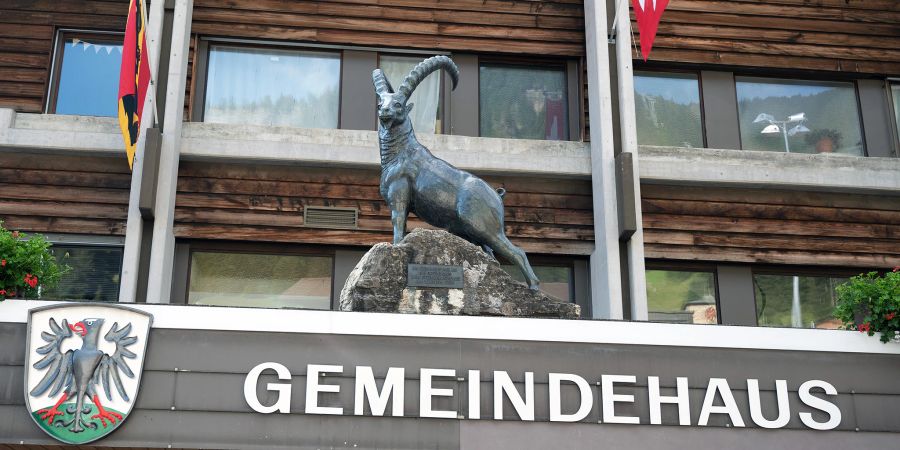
[{"x": 431, "y": 275}]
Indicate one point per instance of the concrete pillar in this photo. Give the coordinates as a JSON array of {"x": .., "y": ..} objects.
[
  {"x": 159, "y": 282},
  {"x": 128, "y": 284},
  {"x": 637, "y": 288},
  {"x": 606, "y": 284}
]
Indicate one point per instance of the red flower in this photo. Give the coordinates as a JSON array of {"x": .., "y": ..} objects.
[
  {"x": 31, "y": 280},
  {"x": 890, "y": 316},
  {"x": 2, "y": 263},
  {"x": 864, "y": 328},
  {"x": 15, "y": 234},
  {"x": 2, "y": 291}
]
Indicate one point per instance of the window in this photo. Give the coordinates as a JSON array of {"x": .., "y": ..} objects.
[
  {"x": 260, "y": 280},
  {"x": 93, "y": 273},
  {"x": 796, "y": 301},
  {"x": 895, "y": 98},
  {"x": 667, "y": 108},
  {"x": 799, "y": 116},
  {"x": 426, "y": 96},
  {"x": 523, "y": 102},
  {"x": 681, "y": 296},
  {"x": 86, "y": 80},
  {"x": 268, "y": 86},
  {"x": 556, "y": 281}
]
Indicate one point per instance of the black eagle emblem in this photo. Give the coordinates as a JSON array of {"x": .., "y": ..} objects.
[{"x": 79, "y": 373}]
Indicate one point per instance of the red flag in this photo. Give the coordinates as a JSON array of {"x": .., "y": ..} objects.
[
  {"x": 134, "y": 77},
  {"x": 648, "y": 14}
]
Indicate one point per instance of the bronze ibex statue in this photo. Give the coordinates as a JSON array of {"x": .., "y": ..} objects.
[{"x": 414, "y": 180}]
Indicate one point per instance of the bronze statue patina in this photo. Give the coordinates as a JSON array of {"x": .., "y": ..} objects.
[{"x": 414, "y": 180}]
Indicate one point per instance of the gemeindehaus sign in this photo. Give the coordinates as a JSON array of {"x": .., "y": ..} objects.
[{"x": 819, "y": 413}]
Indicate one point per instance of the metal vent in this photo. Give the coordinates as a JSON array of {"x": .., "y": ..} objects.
[{"x": 330, "y": 217}]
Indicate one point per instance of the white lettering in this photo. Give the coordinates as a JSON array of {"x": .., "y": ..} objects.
[
  {"x": 283, "y": 403},
  {"x": 474, "y": 394},
  {"x": 825, "y": 406},
  {"x": 607, "y": 386},
  {"x": 784, "y": 408},
  {"x": 503, "y": 384},
  {"x": 313, "y": 388},
  {"x": 729, "y": 406},
  {"x": 367, "y": 389},
  {"x": 426, "y": 392},
  {"x": 587, "y": 400},
  {"x": 680, "y": 399}
]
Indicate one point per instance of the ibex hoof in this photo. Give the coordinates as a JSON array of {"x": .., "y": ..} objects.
[{"x": 534, "y": 286}]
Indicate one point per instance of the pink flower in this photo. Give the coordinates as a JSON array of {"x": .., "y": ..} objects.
[
  {"x": 890, "y": 316},
  {"x": 864, "y": 328}
]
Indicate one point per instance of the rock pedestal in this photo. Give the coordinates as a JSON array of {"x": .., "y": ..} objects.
[{"x": 378, "y": 282}]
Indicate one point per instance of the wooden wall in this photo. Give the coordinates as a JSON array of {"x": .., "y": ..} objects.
[
  {"x": 27, "y": 30},
  {"x": 265, "y": 203},
  {"x": 769, "y": 226},
  {"x": 833, "y": 35},
  {"x": 64, "y": 194}
]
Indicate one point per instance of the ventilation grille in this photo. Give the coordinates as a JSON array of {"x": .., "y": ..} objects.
[{"x": 329, "y": 217}]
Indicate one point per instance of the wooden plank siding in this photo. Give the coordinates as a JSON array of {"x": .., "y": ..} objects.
[
  {"x": 27, "y": 29},
  {"x": 856, "y": 36},
  {"x": 64, "y": 194},
  {"x": 770, "y": 226},
  {"x": 265, "y": 203}
]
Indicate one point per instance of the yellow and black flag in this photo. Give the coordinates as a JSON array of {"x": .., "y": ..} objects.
[{"x": 134, "y": 77}]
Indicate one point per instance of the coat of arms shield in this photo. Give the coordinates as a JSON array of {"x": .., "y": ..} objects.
[{"x": 83, "y": 368}]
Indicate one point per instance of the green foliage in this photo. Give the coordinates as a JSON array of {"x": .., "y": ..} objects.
[
  {"x": 26, "y": 265},
  {"x": 871, "y": 304}
]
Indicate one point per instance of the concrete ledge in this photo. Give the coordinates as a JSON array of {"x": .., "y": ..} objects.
[
  {"x": 360, "y": 148},
  {"x": 60, "y": 133},
  {"x": 675, "y": 165}
]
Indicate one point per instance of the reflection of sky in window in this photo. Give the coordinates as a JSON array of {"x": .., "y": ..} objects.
[
  {"x": 89, "y": 79},
  {"x": 749, "y": 88},
  {"x": 682, "y": 89},
  {"x": 247, "y": 75}
]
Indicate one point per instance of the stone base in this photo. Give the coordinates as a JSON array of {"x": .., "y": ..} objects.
[{"x": 378, "y": 282}]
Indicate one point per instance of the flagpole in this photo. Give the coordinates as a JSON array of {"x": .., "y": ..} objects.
[{"x": 150, "y": 60}]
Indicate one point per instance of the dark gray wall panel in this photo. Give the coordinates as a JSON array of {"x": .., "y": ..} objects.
[
  {"x": 464, "y": 100},
  {"x": 876, "y": 117},
  {"x": 357, "y": 93},
  {"x": 720, "y": 110},
  {"x": 737, "y": 304}
]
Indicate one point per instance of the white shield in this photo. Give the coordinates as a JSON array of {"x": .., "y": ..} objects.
[{"x": 89, "y": 355}]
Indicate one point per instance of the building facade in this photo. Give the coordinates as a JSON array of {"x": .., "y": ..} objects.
[{"x": 730, "y": 182}]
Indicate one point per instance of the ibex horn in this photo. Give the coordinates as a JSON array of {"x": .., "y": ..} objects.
[
  {"x": 423, "y": 69},
  {"x": 382, "y": 85}
]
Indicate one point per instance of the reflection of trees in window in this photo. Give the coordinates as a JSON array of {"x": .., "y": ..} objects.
[
  {"x": 775, "y": 300},
  {"x": 93, "y": 273},
  {"x": 664, "y": 122},
  {"x": 827, "y": 107},
  {"x": 681, "y": 296},
  {"x": 523, "y": 103}
]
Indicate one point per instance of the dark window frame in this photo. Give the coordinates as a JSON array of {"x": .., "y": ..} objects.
[
  {"x": 182, "y": 267},
  {"x": 690, "y": 266},
  {"x": 60, "y": 36},
  {"x": 698, "y": 74},
  {"x": 200, "y": 79},
  {"x": 574, "y": 89},
  {"x": 812, "y": 78}
]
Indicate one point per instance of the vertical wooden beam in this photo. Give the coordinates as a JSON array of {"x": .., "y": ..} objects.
[
  {"x": 134, "y": 226},
  {"x": 159, "y": 283},
  {"x": 637, "y": 288},
  {"x": 606, "y": 285}
]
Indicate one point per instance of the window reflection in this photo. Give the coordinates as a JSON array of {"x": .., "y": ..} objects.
[
  {"x": 89, "y": 76},
  {"x": 799, "y": 116},
  {"x": 556, "y": 281},
  {"x": 426, "y": 97},
  {"x": 272, "y": 87},
  {"x": 523, "y": 102},
  {"x": 895, "y": 96},
  {"x": 796, "y": 301},
  {"x": 681, "y": 296},
  {"x": 260, "y": 280},
  {"x": 667, "y": 109},
  {"x": 93, "y": 273}
]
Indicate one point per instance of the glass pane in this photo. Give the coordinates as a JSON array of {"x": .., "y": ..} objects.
[
  {"x": 93, "y": 273},
  {"x": 799, "y": 116},
  {"x": 89, "y": 77},
  {"x": 681, "y": 297},
  {"x": 272, "y": 87},
  {"x": 555, "y": 281},
  {"x": 796, "y": 301},
  {"x": 426, "y": 96},
  {"x": 523, "y": 103},
  {"x": 272, "y": 281},
  {"x": 667, "y": 107}
]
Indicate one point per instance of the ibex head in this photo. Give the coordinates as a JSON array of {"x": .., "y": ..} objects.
[{"x": 392, "y": 106}]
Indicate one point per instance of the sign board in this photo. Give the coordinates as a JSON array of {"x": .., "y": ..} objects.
[{"x": 435, "y": 276}]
